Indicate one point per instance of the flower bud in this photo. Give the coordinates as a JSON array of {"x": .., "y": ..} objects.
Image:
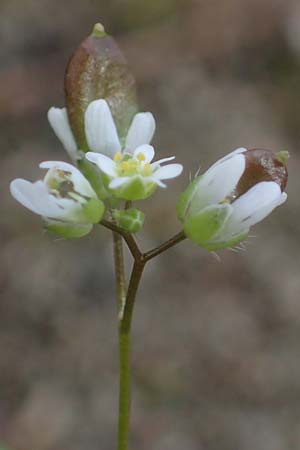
[
  {"x": 219, "y": 207},
  {"x": 131, "y": 220},
  {"x": 98, "y": 70}
]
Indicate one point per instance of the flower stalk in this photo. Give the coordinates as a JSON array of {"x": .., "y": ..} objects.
[{"x": 126, "y": 302}]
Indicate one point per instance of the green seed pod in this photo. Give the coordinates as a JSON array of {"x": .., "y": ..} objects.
[
  {"x": 97, "y": 70},
  {"x": 131, "y": 220}
]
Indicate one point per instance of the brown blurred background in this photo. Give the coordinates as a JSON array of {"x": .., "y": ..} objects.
[{"x": 216, "y": 346}]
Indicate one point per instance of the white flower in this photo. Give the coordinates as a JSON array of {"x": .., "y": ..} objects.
[
  {"x": 64, "y": 196},
  {"x": 100, "y": 130},
  {"x": 132, "y": 176},
  {"x": 219, "y": 207}
]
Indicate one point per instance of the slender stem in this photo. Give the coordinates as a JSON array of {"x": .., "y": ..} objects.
[
  {"x": 126, "y": 305},
  {"x": 135, "y": 279},
  {"x": 124, "y": 390},
  {"x": 124, "y": 355},
  {"x": 133, "y": 247},
  {"x": 165, "y": 246},
  {"x": 129, "y": 239},
  {"x": 119, "y": 271}
]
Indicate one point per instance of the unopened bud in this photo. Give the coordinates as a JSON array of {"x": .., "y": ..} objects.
[{"x": 130, "y": 220}]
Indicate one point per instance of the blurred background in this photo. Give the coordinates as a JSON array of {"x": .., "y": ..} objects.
[{"x": 216, "y": 344}]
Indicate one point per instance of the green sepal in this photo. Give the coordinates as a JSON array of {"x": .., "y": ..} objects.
[
  {"x": 130, "y": 220},
  {"x": 202, "y": 227},
  {"x": 68, "y": 231},
  {"x": 135, "y": 189},
  {"x": 226, "y": 244},
  {"x": 97, "y": 70},
  {"x": 185, "y": 199},
  {"x": 93, "y": 210},
  {"x": 94, "y": 176}
]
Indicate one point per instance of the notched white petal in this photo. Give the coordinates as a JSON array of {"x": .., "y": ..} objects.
[
  {"x": 100, "y": 129},
  {"x": 140, "y": 131},
  {"x": 25, "y": 193},
  {"x": 35, "y": 197}
]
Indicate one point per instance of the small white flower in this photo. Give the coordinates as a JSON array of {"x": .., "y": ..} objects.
[
  {"x": 132, "y": 176},
  {"x": 101, "y": 131},
  {"x": 64, "y": 196},
  {"x": 238, "y": 191}
]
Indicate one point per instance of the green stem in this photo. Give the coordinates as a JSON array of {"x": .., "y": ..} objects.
[
  {"x": 124, "y": 355},
  {"x": 126, "y": 302},
  {"x": 124, "y": 390},
  {"x": 119, "y": 271}
]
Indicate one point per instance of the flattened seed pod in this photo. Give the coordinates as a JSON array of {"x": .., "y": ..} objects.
[{"x": 97, "y": 70}]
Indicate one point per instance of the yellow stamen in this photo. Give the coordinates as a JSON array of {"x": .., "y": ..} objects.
[
  {"x": 141, "y": 157},
  {"x": 117, "y": 157},
  {"x": 147, "y": 166},
  {"x": 124, "y": 165}
]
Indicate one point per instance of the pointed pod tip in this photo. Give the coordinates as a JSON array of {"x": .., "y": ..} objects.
[
  {"x": 283, "y": 156},
  {"x": 98, "y": 30}
]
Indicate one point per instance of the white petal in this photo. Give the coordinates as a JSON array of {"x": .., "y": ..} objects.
[
  {"x": 169, "y": 171},
  {"x": 81, "y": 184},
  {"x": 58, "y": 119},
  {"x": 141, "y": 131},
  {"x": 254, "y": 206},
  {"x": 282, "y": 198},
  {"x": 23, "y": 192},
  {"x": 104, "y": 163},
  {"x": 146, "y": 150},
  {"x": 230, "y": 155},
  {"x": 100, "y": 129},
  {"x": 218, "y": 182},
  {"x": 161, "y": 161},
  {"x": 35, "y": 197},
  {"x": 119, "y": 181}
]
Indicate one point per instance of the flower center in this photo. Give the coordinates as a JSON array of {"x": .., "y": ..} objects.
[
  {"x": 61, "y": 186},
  {"x": 128, "y": 166}
]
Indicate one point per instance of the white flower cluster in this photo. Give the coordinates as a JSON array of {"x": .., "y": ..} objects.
[
  {"x": 131, "y": 176},
  {"x": 64, "y": 197}
]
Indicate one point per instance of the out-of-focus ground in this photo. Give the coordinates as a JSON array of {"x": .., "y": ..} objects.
[{"x": 216, "y": 345}]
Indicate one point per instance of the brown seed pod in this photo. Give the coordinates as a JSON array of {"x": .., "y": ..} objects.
[
  {"x": 263, "y": 165},
  {"x": 96, "y": 70}
]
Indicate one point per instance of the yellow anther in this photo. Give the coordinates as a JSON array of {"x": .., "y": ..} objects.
[
  {"x": 147, "y": 166},
  {"x": 117, "y": 157},
  {"x": 141, "y": 157},
  {"x": 124, "y": 165}
]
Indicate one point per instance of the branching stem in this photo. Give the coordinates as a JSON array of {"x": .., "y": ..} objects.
[{"x": 126, "y": 302}]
